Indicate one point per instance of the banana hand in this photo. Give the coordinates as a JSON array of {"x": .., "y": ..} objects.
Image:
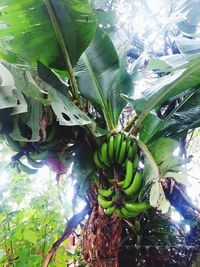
[
  {"x": 128, "y": 177},
  {"x": 25, "y": 168},
  {"x": 34, "y": 163},
  {"x": 122, "y": 152},
  {"x": 136, "y": 183},
  {"x": 137, "y": 207},
  {"x": 104, "y": 154},
  {"x": 104, "y": 202},
  {"x": 97, "y": 161},
  {"x": 106, "y": 192},
  {"x": 109, "y": 211}
]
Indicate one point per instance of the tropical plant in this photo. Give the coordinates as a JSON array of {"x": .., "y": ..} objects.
[{"x": 64, "y": 84}]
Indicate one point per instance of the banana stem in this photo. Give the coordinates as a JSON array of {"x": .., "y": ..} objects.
[
  {"x": 60, "y": 39},
  {"x": 130, "y": 123}
]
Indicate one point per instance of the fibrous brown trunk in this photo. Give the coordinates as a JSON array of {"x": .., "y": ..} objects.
[{"x": 101, "y": 239}]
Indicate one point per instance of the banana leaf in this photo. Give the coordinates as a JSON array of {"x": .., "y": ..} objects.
[
  {"x": 47, "y": 30},
  {"x": 184, "y": 117},
  {"x": 101, "y": 78},
  {"x": 7, "y": 86}
]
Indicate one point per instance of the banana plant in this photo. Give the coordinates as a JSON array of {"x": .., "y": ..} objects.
[{"x": 64, "y": 87}]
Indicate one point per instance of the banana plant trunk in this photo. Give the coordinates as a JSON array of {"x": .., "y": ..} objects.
[{"x": 101, "y": 239}]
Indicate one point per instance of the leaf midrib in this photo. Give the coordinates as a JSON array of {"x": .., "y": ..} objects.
[{"x": 99, "y": 90}]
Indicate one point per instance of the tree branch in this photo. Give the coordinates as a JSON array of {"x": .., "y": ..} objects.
[{"x": 70, "y": 227}]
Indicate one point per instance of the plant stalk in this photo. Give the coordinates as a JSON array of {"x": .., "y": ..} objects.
[{"x": 60, "y": 39}]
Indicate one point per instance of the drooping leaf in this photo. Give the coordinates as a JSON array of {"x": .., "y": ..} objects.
[
  {"x": 50, "y": 77},
  {"x": 7, "y": 85},
  {"x": 26, "y": 127},
  {"x": 184, "y": 117},
  {"x": 68, "y": 114},
  {"x": 162, "y": 151},
  {"x": 29, "y": 34},
  {"x": 24, "y": 82},
  {"x": 147, "y": 129},
  {"x": 158, "y": 199},
  {"x": 101, "y": 78},
  {"x": 154, "y": 194}
]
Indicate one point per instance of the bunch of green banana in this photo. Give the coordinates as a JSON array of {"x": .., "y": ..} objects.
[
  {"x": 51, "y": 140},
  {"x": 121, "y": 198},
  {"x": 118, "y": 149},
  {"x": 130, "y": 209},
  {"x": 113, "y": 203},
  {"x": 24, "y": 168},
  {"x": 14, "y": 145},
  {"x": 127, "y": 209}
]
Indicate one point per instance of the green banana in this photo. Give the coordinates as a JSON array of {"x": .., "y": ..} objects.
[
  {"x": 111, "y": 147},
  {"x": 122, "y": 152},
  {"x": 106, "y": 192},
  {"x": 52, "y": 135},
  {"x": 119, "y": 213},
  {"x": 34, "y": 163},
  {"x": 104, "y": 202},
  {"x": 48, "y": 145},
  {"x": 12, "y": 143},
  {"x": 109, "y": 211},
  {"x": 128, "y": 144},
  {"x": 128, "y": 213},
  {"x": 136, "y": 161},
  {"x": 135, "y": 185},
  {"x": 128, "y": 177},
  {"x": 25, "y": 168},
  {"x": 97, "y": 161},
  {"x": 116, "y": 197},
  {"x": 41, "y": 155},
  {"x": 118, "y": 145},
  {"x": 104, "y": 154},
  {"x": 132, "y": 150},
  {"x": 137, "y": 207}
]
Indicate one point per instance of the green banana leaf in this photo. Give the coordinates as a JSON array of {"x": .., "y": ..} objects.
[
  {"x": 7, "y": 86},
  {"x": 50, "y": 77},
  {"x": 184, "y": 117},
  {"x": 170, "y": 86},
  {"x": 165, "y": 88},
  {"x": 26, "y": 127},
  {"x": 156, "y": 167},
  {"x": 101, "y": 78},
  {"x": 67, "y": 112},
  {"x": 27, "y": 32},
  {"x": 24, "y": 82}
]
